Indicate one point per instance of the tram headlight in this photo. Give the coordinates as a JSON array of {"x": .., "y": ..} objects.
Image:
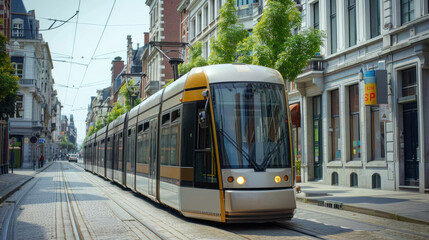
[
  {"x": 277, "y": 179},
  {"x": 230, "y": 179},
  {"x": 241, "y": 180},
  {"x": 286, "y": 178}
]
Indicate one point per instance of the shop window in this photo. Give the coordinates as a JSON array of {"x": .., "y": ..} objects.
[
  {"x": 335, "y": 125},
  {"x": 376, "y": 181},
  {"x": 353, "y": 180},
  {"x": 377, "y": 135},
  {"x": 334, "y": 179},
  {"x": 354, "y": 122}
]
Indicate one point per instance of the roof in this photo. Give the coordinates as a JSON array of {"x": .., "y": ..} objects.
[{"x": 18, "y": 7}]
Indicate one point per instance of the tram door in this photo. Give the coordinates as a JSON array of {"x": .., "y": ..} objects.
[{"x": 152, "y": 188}]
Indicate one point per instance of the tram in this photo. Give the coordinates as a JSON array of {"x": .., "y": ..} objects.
[{"x": 215, "y": 145}]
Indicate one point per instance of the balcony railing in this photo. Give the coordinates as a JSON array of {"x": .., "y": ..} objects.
[
  {"x": 246, "y": 12},
  {"x": 27, "y": 82},
  {"x": 314, "y": 65}
]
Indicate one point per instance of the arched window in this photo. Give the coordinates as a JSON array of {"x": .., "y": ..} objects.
[
  {"x": 334, "y": 178},
  {"x": 353, "y": 180},
  {"x": 376, "y": 181}
]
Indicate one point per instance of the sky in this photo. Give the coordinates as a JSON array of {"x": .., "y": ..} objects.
[{"x": 84, "y": 43}]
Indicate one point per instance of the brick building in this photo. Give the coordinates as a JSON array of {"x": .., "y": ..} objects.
[{"x": 5, "y": 17}]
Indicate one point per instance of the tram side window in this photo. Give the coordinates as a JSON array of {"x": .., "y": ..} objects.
[
  {"x": 170, "y": 138},
  {"x": 205, "y": 168},
  {"x": 189, "y": 121},
  {"x": 140, "y": 145}
]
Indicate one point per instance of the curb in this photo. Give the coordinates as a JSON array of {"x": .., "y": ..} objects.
[
  {"x": 362, "y": 210},
  {"x": 15, "y": 187}
]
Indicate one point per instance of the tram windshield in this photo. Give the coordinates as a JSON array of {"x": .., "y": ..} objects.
[{"x": 251, "y": 125}]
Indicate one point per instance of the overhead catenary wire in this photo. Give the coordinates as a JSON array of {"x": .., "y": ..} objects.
[
  {"x": 95, "y": 50},
  {"x": 74, "y": 42}
]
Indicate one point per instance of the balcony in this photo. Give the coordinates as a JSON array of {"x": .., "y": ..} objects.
[
  {"x": 315, "y": 64},
  {"x": 245, "y": 11},
  {"x": 27, "y": 82},
  {"x": 151, "y": 87}
]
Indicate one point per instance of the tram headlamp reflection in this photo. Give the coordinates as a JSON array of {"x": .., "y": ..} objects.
[
  {"x": 241, "y": 180},
  {"x": 277, "y": 179}
]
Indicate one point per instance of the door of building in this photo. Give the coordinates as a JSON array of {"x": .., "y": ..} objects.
[
  {"x": 317, "y": 137},
  {"x": 411, "y": 136}
]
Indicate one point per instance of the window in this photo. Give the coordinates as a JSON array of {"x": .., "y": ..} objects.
[
  {"x": 333, "y": 25},
  {"x": 377, "y": 134},
  {"x": 407, "y": 11},
  {"x": 353, "y": 180},
  {"x": 18, "y": 64},
  {"x": 352, "y": 22},
  {"x": 19, "y": 110},
  {"x": 335, "y": 125},
  {"x": 334, "y": 179},
  {"x": 376, "y": 181},
  {"x": 213, "y": 7},
  {"x": 409, "y": 82},
  {"x": 219, "y": 6},
  {"x": 354, "y": 121},
  {"x": 18, "y": 27},
  {"x": 193, "y": 28},
  {"x": 206, "y": 15},
  {"x": 199, "y": 19},
  {"x": 316, "y": 15},
  {"x": 374, "y": 17}
]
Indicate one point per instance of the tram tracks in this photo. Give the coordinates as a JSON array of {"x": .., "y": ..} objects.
[{"x": 142, "y": 227}]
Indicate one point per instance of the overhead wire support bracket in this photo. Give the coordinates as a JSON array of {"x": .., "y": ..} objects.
[{"x": 173, "y": 61}]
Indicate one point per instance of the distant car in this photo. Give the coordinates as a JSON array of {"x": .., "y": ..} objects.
[{"x": 73, "y": 157}]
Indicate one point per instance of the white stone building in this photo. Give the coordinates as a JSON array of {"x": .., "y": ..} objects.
[{"x": 340, "y": 140}]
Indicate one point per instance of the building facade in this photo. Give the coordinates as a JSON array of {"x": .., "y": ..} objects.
[
  {"x": 163, "y": 28},
  {"x": 5, "y": 17},
  {"x": 36, "y": 104},
  {"x": 338, "y": 139}
]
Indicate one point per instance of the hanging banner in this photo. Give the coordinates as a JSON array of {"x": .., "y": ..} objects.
[{"x": 370, "y": 88}]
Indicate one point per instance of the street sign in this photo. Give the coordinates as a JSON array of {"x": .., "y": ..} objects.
[
  {"x": 384, "y": 113},
  {"x": 33, "y": 139},
  {"x": 41, "y": 140},
  {"x": 26, "y": 140}
]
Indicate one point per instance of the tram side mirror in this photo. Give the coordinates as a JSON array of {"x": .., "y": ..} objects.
[
  {"x": 202, "y": 119},
  {"x": 202, "y": 116}
]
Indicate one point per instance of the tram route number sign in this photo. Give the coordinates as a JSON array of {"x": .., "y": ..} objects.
[{"x": 384, "y": 113}]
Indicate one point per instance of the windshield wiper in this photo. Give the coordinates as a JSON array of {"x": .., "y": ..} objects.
[
  {"x": 240, "y": 150},
  {"x": 268, "y": 157}
]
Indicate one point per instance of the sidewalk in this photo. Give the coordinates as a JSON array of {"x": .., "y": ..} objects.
[
  {"x": 11, "y": 182},
  {"x": 400, "y": 205}
]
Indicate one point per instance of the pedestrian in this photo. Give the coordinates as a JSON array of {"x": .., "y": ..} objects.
[{"x": 41, "y": 160}]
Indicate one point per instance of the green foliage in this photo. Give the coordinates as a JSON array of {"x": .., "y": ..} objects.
[
  {"x": 124, "y": 92},
  {"x": 91, "y": 131},
  {"x": 273, "y": 44},
  {"x": 99, "y": 125},
  {"x": 195, "y": 60},
  {"x": 116, "y": 111},
  {"x": 298, "y": 167},
  {"x": 8, "y": 82},
  {"x": 229, "y": 35}
]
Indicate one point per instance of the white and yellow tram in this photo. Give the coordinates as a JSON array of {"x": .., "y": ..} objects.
[{"x": 215, "y": 145}]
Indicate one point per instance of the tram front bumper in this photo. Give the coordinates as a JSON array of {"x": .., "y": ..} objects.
[{"x": 259, "y": 205}]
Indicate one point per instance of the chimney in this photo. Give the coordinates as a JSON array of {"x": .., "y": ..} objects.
[{"x": 146, "y": 38}]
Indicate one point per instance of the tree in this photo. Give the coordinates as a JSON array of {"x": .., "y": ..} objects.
[
  {"x": 229, "y": 35},
  {"x": 195, "y": 60},
  {"x": 273, "y": 43},
  {"x": 99, "y": 125},
  {"x": 8, "y": 82}
]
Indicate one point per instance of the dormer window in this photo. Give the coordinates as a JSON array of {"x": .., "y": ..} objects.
[{"x": 18, "y": 27}]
